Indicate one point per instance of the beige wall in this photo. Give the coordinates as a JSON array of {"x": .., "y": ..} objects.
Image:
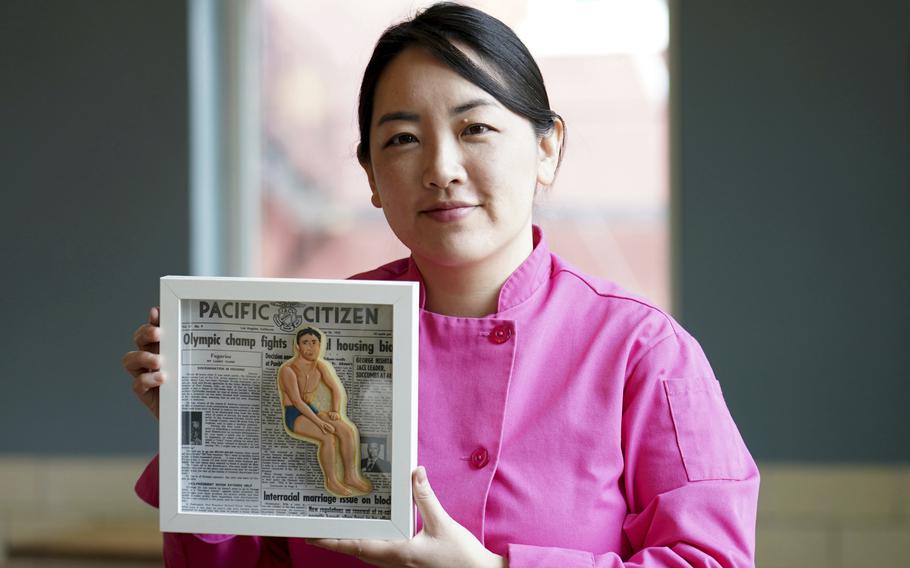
[
  {"x": 81, "y": 506},
  {"x": 833, "y": 516}
]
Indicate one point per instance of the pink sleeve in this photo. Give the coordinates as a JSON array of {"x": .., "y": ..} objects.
[
  {"x": 690, "y": 483},
  {"x": 182, "y": 549},
  {"x": 147, "y": 484}
]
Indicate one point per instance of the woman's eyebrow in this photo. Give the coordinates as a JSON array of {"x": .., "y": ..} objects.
[
  {"x": 473, "y": 103},
  {"x": 398, "y": 115},
  {"x": 414, "y": 117}
]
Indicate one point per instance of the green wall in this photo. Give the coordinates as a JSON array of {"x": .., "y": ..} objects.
[
  {"x": 93, "y": 143},
  {"x": 793, "y": 225},
  {"x": 793, "y": 194}
]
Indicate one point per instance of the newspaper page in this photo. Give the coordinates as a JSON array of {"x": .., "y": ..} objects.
[{"x": 286, "y": 409}]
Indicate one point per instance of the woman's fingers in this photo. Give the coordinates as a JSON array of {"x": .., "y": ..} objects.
[
  {"x": 137, "y": 362},
  {"x": 379, "y": 552},
  {"x": 442, "y": 542},
  {"x": 144, "y": 364},
  {"x": 146, "y": 388},
  {"x": 147, "y": 337},
  {"x": 144, "y": 382}
]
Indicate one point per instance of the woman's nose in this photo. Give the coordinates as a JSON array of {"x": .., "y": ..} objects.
[{"x": 444, "y": 165}]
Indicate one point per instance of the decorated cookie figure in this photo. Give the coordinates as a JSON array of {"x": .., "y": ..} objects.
[{"x": 308, "y": 417}]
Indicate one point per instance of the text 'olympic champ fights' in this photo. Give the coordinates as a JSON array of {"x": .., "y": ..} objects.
[{"x": 197, "y": 340}]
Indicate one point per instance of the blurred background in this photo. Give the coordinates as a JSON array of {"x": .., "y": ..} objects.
[{"x": 744, "y": 165}]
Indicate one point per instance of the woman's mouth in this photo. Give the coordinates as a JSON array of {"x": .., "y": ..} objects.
[{"x": 452, "y": 211}]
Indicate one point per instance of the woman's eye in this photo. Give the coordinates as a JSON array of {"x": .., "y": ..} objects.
[
  {"x": 401, "y": 140},
  {"x": 476, "y": 129}
]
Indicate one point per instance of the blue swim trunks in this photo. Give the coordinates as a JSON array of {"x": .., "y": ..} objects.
[{"x": 291, "y": 413}]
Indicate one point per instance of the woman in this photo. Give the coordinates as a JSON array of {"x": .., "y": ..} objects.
[{"x": 562, "y": 421}]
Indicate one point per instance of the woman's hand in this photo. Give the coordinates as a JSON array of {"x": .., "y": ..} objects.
[
  {"x": 334, "y": 416},
  {"x": 144, "y": 365},
  {"x": 442, "y": 542},
  {"x": 326, "y": 427}
]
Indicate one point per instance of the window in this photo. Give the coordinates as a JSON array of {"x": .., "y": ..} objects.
[{"x": 605, "y": 65}]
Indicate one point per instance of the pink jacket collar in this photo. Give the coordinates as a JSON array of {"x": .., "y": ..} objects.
[{"x": 527, "y": 278}]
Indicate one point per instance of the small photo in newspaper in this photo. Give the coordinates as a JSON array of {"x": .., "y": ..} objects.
[{"x": 286, "y": 409}]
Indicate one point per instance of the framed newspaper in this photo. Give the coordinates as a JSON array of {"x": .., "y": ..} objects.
[{"x": 290, "y": 407}]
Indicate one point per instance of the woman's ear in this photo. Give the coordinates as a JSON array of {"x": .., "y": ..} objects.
[
  {"x": 548, "y": 149},
  {"x": 374, "y": 199}
]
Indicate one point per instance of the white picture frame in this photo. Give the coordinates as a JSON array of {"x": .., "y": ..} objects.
[{"x": 181, "y": 295}]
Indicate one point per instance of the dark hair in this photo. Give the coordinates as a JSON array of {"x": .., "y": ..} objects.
[
  {"x": 517, "y": 83},
  {"x": 308, "y": 331}
]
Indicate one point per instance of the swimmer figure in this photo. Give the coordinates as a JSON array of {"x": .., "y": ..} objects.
[{"x": 298, "y": 380}]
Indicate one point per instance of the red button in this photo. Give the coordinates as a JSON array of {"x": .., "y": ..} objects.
[
  {"x": 480, "y": 457},
  {"x": 501, "y": 334}
]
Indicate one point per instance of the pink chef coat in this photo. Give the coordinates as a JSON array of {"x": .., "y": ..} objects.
[{"x": 576, "y": 426}]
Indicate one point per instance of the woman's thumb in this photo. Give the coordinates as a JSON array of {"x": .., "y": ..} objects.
[{"x": 431, "y": 511}]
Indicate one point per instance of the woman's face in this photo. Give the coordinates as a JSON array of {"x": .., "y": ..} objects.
[{"x": 452, "y": 169}]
